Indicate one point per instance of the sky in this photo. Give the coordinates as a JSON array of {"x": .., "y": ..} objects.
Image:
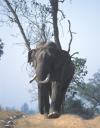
[{"x": 14, "y": 71}]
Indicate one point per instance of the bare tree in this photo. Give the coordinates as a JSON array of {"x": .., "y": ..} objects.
[
  {"x": 41, "y": 20},
  {"x": 32, "y": 19},
  {"x": 27, "y": 43}
]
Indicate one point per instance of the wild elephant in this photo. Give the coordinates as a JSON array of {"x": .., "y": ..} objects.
[{"x": 54, "y": 71}]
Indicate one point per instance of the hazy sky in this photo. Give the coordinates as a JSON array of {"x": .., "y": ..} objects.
[{"x": 14, "y": 77}]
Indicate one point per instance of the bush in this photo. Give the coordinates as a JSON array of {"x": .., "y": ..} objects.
[
  {"x": 76, "y": 107},
  {"x": 73, "y": 106}
]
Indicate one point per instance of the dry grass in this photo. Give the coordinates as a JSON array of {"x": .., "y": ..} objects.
[
  {"x": 65, "y": 121},
  {"x": 38, "y": 121},
  {"x": 5, "y": 115}
]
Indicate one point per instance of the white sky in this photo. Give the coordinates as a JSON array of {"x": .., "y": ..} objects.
[{"x": 85, "y": 20}]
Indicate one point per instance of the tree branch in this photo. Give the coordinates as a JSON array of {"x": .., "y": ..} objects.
[
  {"x": 78, "y": 83},
  {"x": 93, "y": 97},
  {"x": 62, "y": 13},
  {"x": 27, "y": 43},
  {"x": 61, "y": 1},
  {"x": 70, "y": 35},
  {"x": 74, "y": 54}
]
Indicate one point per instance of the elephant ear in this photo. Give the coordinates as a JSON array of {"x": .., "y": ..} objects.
[
  {"x": 31, "y": 55},
  {"x": 66, "y": 56},
  {"x": 52, "y": 49},
  {"x": 62, "y": 59}
]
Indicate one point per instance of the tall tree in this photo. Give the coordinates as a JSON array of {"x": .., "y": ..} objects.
[
  {"x": 37, "y": 17},
  {"x": 31, "y": 18}
]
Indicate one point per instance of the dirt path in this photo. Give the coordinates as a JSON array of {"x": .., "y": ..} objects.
[{"x": 65, "y": 121}]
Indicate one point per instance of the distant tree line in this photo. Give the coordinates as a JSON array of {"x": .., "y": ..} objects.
[{"x": 24, "y": 108}]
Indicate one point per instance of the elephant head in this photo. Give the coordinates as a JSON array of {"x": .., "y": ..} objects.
[{"x": 42, "y": 59}]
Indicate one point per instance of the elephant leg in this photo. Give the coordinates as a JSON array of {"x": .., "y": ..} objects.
[
  {"x": 46, "y": 99},
  {"x": 40, "y": 100},
  {"x": 56, "y": 95},
  {"x": 43, "y": 99}
]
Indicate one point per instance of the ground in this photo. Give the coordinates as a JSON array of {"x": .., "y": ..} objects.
[
  {"x": 6, "y": 115},
  {"x": 64, "y": 121}
]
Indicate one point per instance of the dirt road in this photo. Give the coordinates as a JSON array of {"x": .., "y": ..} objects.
[{"x": 64, "y": 121}]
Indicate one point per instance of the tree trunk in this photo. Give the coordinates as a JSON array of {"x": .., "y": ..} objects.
[{"x": 54, "y": 5}]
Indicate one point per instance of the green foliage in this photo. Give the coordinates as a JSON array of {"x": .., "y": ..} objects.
[
  {"x": 73, "y": 106},
  {"x": 91, "y": 92},
  {"x": 76, "y": 106},
  {"x": 80, "y": 70},
  {"x": 80, "y": 73}
]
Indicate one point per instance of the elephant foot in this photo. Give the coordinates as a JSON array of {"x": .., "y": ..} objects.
[{"x": 53, "y": 115}]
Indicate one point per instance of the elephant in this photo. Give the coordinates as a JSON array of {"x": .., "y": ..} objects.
[{"x": 54, "y": 71}]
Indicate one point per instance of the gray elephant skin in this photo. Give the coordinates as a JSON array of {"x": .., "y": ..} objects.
[{"x": 54, "y": 71}]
